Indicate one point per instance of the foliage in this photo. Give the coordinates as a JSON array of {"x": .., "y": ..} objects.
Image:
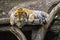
[{"x": 58, "y": 36}]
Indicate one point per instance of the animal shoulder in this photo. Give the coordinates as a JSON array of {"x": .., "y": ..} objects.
[{"x": 28, "y": 11}]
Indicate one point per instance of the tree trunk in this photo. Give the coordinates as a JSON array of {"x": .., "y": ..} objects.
[{"x": 39, "y": 35}]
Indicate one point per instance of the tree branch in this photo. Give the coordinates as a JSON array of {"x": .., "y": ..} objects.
[
  {"x": 4, "y": 20},
  {"x": 42, "y": 31}
]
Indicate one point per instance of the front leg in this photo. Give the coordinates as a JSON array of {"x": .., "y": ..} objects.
[
  {"x": 12, "y": 20},
  {"x": 19, "y": 24},
  {"x": 31, "y": 18}
]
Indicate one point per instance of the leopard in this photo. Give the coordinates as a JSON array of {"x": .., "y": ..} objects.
[{"x": 23, "y": 15}]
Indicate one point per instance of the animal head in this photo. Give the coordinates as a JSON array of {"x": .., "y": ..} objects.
[
  {"x": 19, "y": 13},
  {"x": 19, "y": 17}
]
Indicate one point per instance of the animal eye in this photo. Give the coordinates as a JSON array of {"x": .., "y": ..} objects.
[
  {"x": 18, "y": 12},
  {"x": 15, "y": 15},
  {"x": 21, "y": 12}
]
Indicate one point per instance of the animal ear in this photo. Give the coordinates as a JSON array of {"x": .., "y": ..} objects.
[
  {"x": 20, "y": 9},
  {"x": 25, "y": 14},
  {"x": 11, "y": 20}
]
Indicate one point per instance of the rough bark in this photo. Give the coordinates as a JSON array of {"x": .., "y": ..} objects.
[
  {"x": 4, "y": 20},
  {"x": 42, "y": 31},
  {"x": 15, "y": 31},
  {"x": 51, "y": 4}
]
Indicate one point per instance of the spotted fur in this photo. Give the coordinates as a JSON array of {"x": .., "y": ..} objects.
[{"x": 23, "y": 15}]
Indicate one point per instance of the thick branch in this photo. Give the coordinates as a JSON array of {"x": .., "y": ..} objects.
[
  {"x": 4, "y": 20},
  {"x": 42, "y": 31}
]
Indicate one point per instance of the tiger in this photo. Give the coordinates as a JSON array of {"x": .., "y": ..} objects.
[{"x": 23, "y": 15}]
